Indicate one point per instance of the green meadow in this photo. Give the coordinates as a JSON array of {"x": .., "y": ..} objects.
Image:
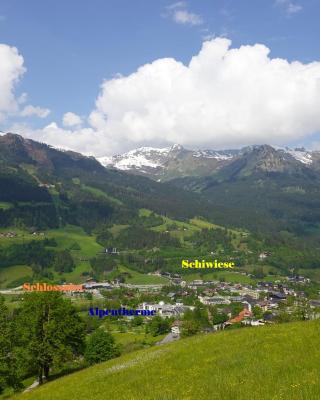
[
  {"x": 12, "y": 274},
  {"x": 131, "y": 337},
  {"x": 278, "y": 362},
  {"x": 184, "y": 230},
  {"x": 65, "y": 238},
  {"x": 137, "y": 278},
  {"x": 99, "y": 193},
  {"x": 70, "y": 234},
  {"x": 143, "y": 279},
  {"x": 215, "y": 276},
  {"x": 117, "y": 228}
]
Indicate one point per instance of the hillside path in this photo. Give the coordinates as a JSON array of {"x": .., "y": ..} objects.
[{"x": 169, "y": 338}]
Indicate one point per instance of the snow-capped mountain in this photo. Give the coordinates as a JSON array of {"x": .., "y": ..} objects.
[
  {"x": 141, "y": 158},
  {"x": 168, "y": 162},
  {"x": 176, "y": 161}
]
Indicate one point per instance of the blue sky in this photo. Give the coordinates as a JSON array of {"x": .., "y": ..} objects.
[{"x": 70, "y": 48}]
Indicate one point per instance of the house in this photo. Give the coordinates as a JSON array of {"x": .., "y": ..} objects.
[
  {"x": 8, "y": 234},
  {"x": 46, "y": 185},
  {"x": 241, "y": 316},
  {"x": 298, "y": 279},
  {"x": 166, "y": 310},
  {"x": 90, "y": 280},
  {"x": 213, "y": 300},
  {"x": 249, "y": 292},
  {"x": 111, "y": 250},
  {"x": 247, "y": 305},
  {"x": 219, "y": 327},
  {"x": 264, "y": 255},
  {"x": 252, "y": 322},
  {"x": 209, "y": 292},
  {"x": 314, "y": 303},
  {"x": 271, "y": 304},
  {"x": 176, "y": 328},
  {"x": 197, "y": 282},
  {"x": 97, "y": 285},
  {"x": 236, "y": 299},
  {"x": 277, "y": 295},
  {"x": 265, "y": 284},
  {"x": 176, "y": 281}
]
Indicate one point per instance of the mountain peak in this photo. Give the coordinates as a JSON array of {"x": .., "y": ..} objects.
[
  {"x": 10, "y": 137},
  {"x": 176, "y": 147}
]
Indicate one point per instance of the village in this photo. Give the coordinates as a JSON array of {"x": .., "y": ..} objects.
[
  {"x": 225, "y": 304},
  {"x": 234, "y": 304}
]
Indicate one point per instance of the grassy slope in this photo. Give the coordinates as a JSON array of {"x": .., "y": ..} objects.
[
  {"x": 65, "y": 238},
  {"x": 215, "y": 276},
  {"x": 99, "y": 193},
  {"x": 69, "y": 234},
  {"x": 138, "y": 278},
  {"x": 267, "y": 363},
  {"x": 10, "y": 274},
  {"x": 142, "y": 279},
  {"x": 187, "y": 229}
]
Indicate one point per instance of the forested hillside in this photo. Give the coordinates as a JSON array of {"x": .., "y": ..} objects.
[{"x": 46, "y": 188}]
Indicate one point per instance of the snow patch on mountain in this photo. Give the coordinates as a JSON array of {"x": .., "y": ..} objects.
[
  {"x": 300, "y": 154},
  {"x": 143, "y": 157},
  {"x": 105, "y": 161},
  {"x": 213, "y": 154}
]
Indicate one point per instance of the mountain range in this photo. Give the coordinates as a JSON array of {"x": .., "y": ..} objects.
[
  {"x": 259, "y": 188},
  {"x": 167, "y": 163}
]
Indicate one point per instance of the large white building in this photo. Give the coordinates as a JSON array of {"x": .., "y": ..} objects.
[{"x": 166, "y": 310}]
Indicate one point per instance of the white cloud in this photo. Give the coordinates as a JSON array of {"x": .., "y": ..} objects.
[
  {"x": 71, "y": 119},
  {"x": 11, "y": 70},
  {"x": 87, "y": 141},
  {"x": 29, "y": 111},
  {"x": 223, "y": 97},
  {"x": 178, "y": 13},
  {"x": 290, "y": 7},
  {"x": 186, "y": 17}
]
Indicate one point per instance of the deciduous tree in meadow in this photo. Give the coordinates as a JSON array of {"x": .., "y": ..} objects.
[{"x": 50, "y": 330}]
